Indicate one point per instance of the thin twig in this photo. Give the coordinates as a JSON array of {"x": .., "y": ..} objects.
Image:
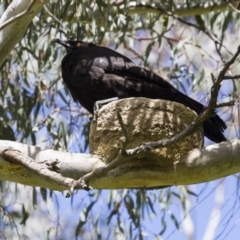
[
  {"x": 138, "y": 55},
  {"x": 189, "y": 24},
  {"x": 20, "y": 15},
  {"x": 231, "y": 77},
  {"x": 55, "y": 18},
  {"x": 176, "y": 16},
  {"x": 227, "y": 65},
  {"x": 225, "y": 104},
  {"x": 231, "y": 6},
  {"x": 152, "y": 38},
  {"x": 119, "y": 117},
  {"x": 102, "y": 171},
  {"x": 142, "y": 38}
]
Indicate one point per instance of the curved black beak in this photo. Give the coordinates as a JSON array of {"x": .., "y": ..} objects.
[{"x": 62, "y": 42}]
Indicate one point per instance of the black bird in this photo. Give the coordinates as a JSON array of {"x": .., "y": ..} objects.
[{"x": 94, "y": 73}]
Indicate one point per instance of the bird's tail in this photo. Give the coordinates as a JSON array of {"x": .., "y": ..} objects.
[{"x": 213, "y": 127}]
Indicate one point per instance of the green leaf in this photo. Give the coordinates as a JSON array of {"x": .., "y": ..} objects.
[
  {"x": 101, "y": 3},
  {"x": 25, "y": 215},
  {"x": 200, "y": 22}
]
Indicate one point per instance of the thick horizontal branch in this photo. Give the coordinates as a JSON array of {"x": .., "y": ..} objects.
[
  {"x": 43, "y": 169},
  {"x": 180, "y": 10},
  {"x": 200, "y": 165},
  {"x": 68, "y": 165}
]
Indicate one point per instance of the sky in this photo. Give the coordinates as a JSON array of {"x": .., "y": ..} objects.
[{"x": 214, "y": 213}]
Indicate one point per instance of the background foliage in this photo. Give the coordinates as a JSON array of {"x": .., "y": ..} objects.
[{"x": 171, "y": 38}]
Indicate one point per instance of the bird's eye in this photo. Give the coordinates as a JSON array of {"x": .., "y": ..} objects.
[{"x": 78, "y": 44}]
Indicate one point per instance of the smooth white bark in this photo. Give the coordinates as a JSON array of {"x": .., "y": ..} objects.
[
  {"x": 200, "y": 165},
  {"x": 19, "y": 19}
]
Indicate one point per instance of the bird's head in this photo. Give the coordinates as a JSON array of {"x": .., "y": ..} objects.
[{"x": 71, "y": 45}]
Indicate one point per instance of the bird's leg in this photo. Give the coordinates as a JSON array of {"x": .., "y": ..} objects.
[{"x": 99, "y": 104}]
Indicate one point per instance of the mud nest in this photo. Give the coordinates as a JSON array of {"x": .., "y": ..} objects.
[{"x": 145, "y": 120}]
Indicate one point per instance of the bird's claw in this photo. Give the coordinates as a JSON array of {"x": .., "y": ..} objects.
[{"x": 99, "y": 104}]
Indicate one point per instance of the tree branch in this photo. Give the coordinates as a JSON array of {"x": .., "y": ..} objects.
[
  {"x": 42, "y": 170},
  {"x": 231, "y": 77},
  {"x": 56, "y": 19},
  {"x": 199, "y": 165},
  {"x": 14, "y": 18},
  {"x": 34, "y": 166},
  {"x": 18, "y": 16},
  {"x": 179, "y": 9},
  {"x": 225, "y": 104},
  {"x": 234, "y": 8}
]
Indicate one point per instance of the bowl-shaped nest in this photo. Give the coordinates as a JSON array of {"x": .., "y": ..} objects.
[{"x": 145, "y": 120}]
